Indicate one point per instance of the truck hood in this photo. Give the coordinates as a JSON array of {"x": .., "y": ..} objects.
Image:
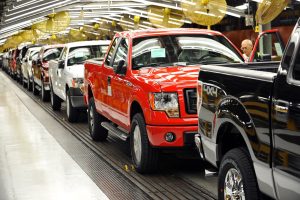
[
  {"x": 76, "y": 71},
  {"x": 168, "y": 77}
]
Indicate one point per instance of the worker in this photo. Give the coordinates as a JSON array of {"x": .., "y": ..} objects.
[{"x": 246, "y": 47}]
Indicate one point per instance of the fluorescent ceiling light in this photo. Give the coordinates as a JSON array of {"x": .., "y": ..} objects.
[
  {"x": 204, "y": 13},
  {"x": 230, "y": 13},
  {"x": 242, "y": 7}
]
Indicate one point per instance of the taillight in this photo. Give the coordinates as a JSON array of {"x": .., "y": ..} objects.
[{"x": 199, "y": 96}]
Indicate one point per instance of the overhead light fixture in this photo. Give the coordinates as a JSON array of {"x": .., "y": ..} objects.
[
  {"x": 230, "y": 13},
  {"x": 242, "y": 7}
]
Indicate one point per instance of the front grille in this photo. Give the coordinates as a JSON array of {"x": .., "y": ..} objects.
[{"x": 190, "y": 96}]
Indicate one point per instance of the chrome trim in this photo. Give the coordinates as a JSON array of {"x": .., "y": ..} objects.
[{"x": 199, "y": 145}]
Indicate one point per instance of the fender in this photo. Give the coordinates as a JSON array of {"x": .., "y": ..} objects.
[{"x": 231, "y": 110}]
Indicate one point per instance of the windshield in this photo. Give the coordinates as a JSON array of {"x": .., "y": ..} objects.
[
  {"x": 51, "y": 54},
  {"x": 183, "y": 49},
  {"x": 34, "y": 55},
  {"x": 77, "y": 55}
]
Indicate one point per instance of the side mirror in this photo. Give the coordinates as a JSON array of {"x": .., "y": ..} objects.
[
  {"x": 61, "y": 64},
  {"x": 120, "y": 67},
  {"x": 30, "y": 58}
]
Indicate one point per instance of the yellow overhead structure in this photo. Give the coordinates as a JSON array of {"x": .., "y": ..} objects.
[
  {"x": 77, "y": 35},
  {"x": 165, "y": 17},
  {"x": 204, "y": 12},
  {"x": 92, "y": 32},
  {"x": 130, "y": 22},
  {"x": 56, "y": 22},
  {"x": 269, "y": 10}
]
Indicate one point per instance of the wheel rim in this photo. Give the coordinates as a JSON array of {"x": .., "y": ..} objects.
[
  {"x": 68, "y": 106},
  {"x": 233, "y": 185},
  {"x": 91, "y": 115},
  {"x": 137, "y": 144}
]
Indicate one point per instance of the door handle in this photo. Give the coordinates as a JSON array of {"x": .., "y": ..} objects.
[
  {"x": 282, "y": 109},
  {"x": 128, "y": 83}
]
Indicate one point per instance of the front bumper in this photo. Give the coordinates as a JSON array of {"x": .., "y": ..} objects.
[
  {"x": 184, "y": 135},
  {"x": 77, "y": 98}
]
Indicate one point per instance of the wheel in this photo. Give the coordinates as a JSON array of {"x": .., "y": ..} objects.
[
  {"x": 29, "y": 84},
  {"x": 34, "y": 90},
  {"x": 144, "y": 157},
  {"x": 55, "y": 100},
  {"x": 45, "y": 94},
  {"x": 97, "y": 132},
  {"x": 72, "y": 113},
  {"x": 237, "y": 178}
]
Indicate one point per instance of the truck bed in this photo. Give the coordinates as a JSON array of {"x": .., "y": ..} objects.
[{"x": 259, "y": 66}]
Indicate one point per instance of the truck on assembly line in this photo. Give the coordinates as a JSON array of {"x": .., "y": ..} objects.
[
  {"x": 249, "y": 125},
  {"x": 66, "y": 75},
  {"x": 145, "y": 89}
]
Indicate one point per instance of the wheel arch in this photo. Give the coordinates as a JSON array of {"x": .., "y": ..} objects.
[
  {"x": 135, "y": 108},
  {"x": 234, "y": 128}
]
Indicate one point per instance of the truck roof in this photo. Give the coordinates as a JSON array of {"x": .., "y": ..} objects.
[
  {"x": 83, "y": 43},
  {"x": 53, "y": 46},
  {"x": 166, "y": 31}
]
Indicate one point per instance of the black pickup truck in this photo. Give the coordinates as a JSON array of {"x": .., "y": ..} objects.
[{"x": 249, "y": 125}]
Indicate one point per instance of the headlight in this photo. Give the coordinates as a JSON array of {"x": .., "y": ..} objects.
[
  {"x": 77, "y": 83},
  {"x": 167, "y": 102}
]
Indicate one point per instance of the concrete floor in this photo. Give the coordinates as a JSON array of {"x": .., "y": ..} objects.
[{"x": 32, "y": 164}]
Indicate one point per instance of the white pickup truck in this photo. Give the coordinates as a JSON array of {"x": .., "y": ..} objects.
[{"x": 66, "y": 75}]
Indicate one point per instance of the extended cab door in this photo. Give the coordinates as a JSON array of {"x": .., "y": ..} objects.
[
  {"x": 56, "y": 72},
  {"x": 268, "y": 47},
  {"x": 286, "y": 123},
  {"x": 120, "y": 85},
  {"x": 105, "y": 77}
]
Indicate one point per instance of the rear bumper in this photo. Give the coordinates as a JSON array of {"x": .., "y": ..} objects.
[
  {"x": 184, "y": 135},
  {"x": 77, "y": 98}
]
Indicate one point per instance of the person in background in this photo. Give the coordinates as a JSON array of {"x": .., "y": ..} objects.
[{"x": 246, "y": 47}]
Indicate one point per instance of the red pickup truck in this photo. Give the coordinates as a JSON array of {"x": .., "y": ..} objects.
[{"x": 145, "y": 88}]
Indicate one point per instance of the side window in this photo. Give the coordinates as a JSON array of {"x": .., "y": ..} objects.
[
  {"x": 63, "y": 55},
  {"x": 121, "y": 53},
  {"x": 289, "y": 51},
  {"x": 111, "y": 51},
  {"x": 296, "y": 68}
]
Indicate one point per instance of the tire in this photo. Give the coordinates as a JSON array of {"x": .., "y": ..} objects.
[
  {"x": 55, "y": 100},
  {"x": 72, "y": 113},
  {"x": 23, "y": 82},
  {"x": 34, "y": 90},
  {"x": 45, "y": 94},
  {"x": 237, "y": 162},
  {"x": 97, "y": 132},
  {"x": 144, "y": 157}
]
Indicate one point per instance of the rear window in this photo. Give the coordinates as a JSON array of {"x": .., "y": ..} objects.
[
  {"x": 77, "y": 55},
  {"x": 52, "y": 54}
]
